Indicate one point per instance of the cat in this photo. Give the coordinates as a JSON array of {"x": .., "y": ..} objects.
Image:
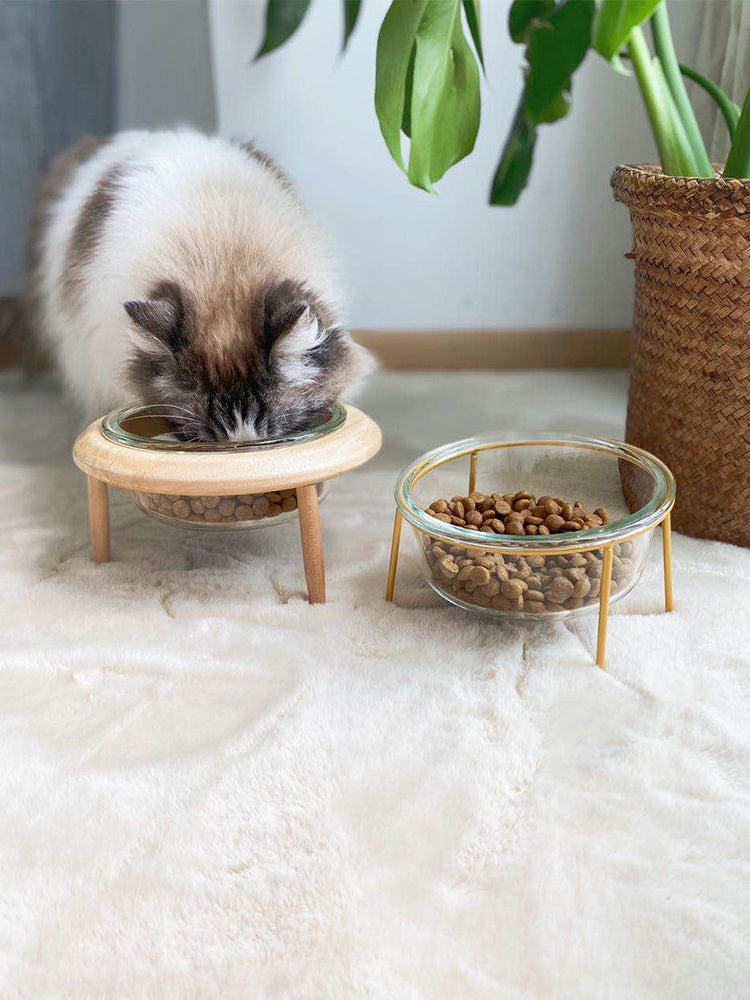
[{"x": 182, "y": 270}]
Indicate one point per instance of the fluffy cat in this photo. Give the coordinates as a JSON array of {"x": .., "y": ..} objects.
[{"x": 182, "y": 270}]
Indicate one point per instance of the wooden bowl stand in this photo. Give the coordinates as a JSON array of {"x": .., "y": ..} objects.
[{"x": 301, "y": 467}]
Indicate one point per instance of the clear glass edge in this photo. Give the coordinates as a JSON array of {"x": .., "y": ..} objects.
[
  {"x": 112, "y": 430},
  {"x": 648, "y": 516}
]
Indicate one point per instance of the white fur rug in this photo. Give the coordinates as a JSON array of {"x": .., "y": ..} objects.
[{"x": 210, "y": 789}]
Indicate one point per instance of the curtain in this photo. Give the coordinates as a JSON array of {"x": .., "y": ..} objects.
[
  {"x": 57, "y": 83},
  {"x": 723, "y": 55}
]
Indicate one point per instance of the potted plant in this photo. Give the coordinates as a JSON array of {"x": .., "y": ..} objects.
[{"x": 689, "y": 398}]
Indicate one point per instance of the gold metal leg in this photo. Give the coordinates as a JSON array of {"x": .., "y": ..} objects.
[
  {"x": 312, "y": 543},
  {"x": 473, "y": 471},
  {"x": 666, "y": 541},
  {"x": 98, "y": 519},
  {"x": 601, "y": 636},
  {"x": 395, "y": 543}
]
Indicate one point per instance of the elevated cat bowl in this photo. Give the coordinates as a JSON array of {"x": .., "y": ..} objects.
[{"x": 222, "y": 485}]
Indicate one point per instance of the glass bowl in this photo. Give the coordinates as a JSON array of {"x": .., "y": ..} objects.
[
  {"x": 146, "y": 428},
  {"x": 539, "y": 576}
]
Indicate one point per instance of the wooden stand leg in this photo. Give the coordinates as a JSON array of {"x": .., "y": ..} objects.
[
  {"x": 98, "y": 519},
  {"x": 395, "y": 542},
  {"x": 312, "y": 543},
  {"x": 666, "y": 541},
  {"x": 601, "y": 636}
]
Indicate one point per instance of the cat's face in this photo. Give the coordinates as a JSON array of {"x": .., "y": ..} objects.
[{"x": 285, "y": 364}]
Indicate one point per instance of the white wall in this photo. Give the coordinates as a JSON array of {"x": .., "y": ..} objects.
[
  {"x": 410, "y": 260},
  {"x": 413, "y": 260}
]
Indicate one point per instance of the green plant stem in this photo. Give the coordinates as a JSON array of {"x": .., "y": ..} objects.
[
  {"x": 667, "y": 57},
  {"x": 688, "y": 165},
  {"x": 738, "y": 161},
  {"x": 728, "y": 108},
  {"x": 675, "y": 160}
]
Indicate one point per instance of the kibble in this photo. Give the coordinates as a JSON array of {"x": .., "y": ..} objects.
[
  {"x": 535, "y": 583},
  {"x": 221, "y": 509}
]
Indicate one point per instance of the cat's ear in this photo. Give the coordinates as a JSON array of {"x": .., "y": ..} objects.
[
  {"x": 156, "y": 324},
  {"x": 301, "y": 333}
]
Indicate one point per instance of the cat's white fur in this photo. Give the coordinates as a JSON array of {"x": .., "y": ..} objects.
[{"x": 188, "y": 209}]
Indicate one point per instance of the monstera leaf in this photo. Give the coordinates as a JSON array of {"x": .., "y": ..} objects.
[
  {"x": 427, "y": 86},
  {"x": 283, "y": 17},
  {"x": 557, "y": 37},
  {"x": 615, "y": 21}
]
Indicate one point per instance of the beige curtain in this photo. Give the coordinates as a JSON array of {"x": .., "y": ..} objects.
[{"x": 723, "y": 54}]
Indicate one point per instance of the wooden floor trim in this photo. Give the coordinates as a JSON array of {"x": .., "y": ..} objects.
[{"x": 410, "y": 350}]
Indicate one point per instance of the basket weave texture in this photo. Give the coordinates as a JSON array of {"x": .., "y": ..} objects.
[{"x": 689, "y": 399}]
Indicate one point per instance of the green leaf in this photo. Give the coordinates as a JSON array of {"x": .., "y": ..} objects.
[
  {"x": 728, "y": 108},
  {"x": 445, "y": 104},
  {"x": 473, "y": 19},
  {"x": 521, "y": 15},
  {"x": 738, "y": 160},
  {"x": 351, "y": 13},
  {"x": 557, "y": 39},
  {"x": 615, "y": 21},
  {"x": 395, "y": 44},
  {"x": 514, "y": 168},
  {"x": 283, "y": 17},
  {"x": 558, "y": 108},
  {"x": 408, "y": 89},
  {"x": 554, "y": 52}
]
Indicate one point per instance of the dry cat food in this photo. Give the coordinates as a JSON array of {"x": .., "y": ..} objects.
[
  {"x": 532, "y": 583},
  {"x": 220, "y": 509},
  {"x": 516, "y": 513}
]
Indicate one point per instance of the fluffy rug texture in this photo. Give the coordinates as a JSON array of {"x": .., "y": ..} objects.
[{"x": 211, "y": 789}]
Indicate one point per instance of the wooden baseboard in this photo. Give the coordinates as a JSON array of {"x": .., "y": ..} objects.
[{"x": 409, "y": 350}]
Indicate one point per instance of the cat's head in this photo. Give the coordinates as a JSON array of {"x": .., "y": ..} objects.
[{"x": 285, "y": 362}]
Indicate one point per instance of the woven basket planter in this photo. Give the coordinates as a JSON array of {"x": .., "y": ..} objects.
[{"x": 689, "y": 399}]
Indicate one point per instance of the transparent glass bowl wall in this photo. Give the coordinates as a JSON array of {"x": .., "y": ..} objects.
[
  {"x": 493, "y": 574},
  {"x": 145, "y": 428}
]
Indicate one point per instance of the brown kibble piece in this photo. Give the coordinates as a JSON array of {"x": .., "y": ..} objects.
[
  {"x": 209, "y": 502},
  {"x": 500, "y": 603},
  {"x": 560, "y": 590},
  {"x": 554, "y": 522},
  {"x": 511, "y": 589},
  {"x": 181, "y": 508},
  {"x": 480, "y": 575},
  {"x": 227, "y": 507},
  {"x": 448, "y": 567}
]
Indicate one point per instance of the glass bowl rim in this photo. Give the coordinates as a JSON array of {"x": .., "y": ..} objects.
[
  {"x": 112, "y": 429},
  {"x": 651, "y": 514}
]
